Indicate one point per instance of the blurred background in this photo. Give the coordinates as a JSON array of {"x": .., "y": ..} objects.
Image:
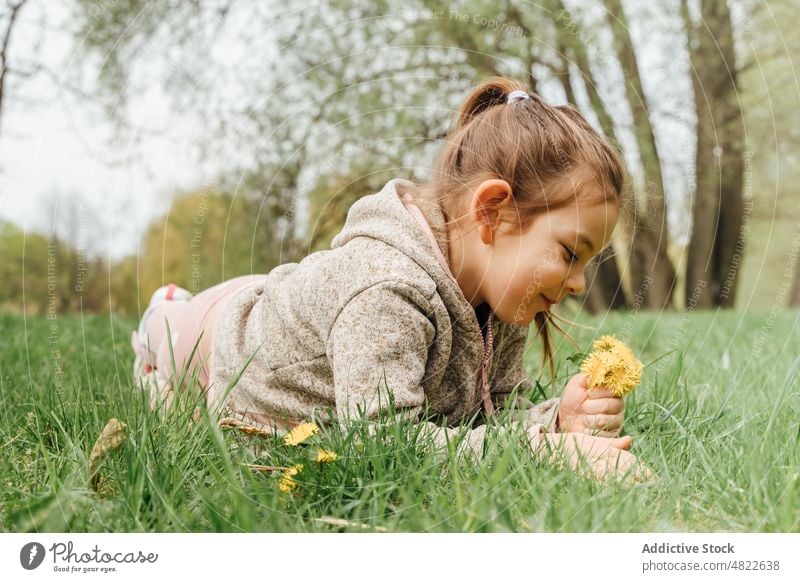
[{"x": 191, "y": 141}]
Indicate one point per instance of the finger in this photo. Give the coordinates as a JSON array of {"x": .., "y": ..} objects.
[
  {"x": 607, "y": 434},
  {"x": 580, "y": 380},
  {"x": 599, "y": 392},
  {"x": 603, "y": 421},
  {"x": 568, "y": 424},
  {"x": 614, "y": 467},
  {"x": 623, "y": 442},
  {"x": 622, "y": 467},
  {"x": 603, "y": 406},
  {"x": 638, "y": 472},
  {"x": 594, "y": 446},
  {"x": 644, "y": 473}
]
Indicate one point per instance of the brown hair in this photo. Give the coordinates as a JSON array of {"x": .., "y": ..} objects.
[{"x": 531, "y": 145}]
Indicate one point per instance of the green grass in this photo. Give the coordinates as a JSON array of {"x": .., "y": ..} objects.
[{"x": 715, "y": 419}]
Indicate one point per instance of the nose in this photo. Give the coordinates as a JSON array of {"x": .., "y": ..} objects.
[{"x": 575, "y": 282}]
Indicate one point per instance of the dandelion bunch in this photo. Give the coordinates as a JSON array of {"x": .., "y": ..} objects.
[
  {"x": 296, "y": 436},
  {"x": 300, "y": 433},
  {"x": 612, "y": 365},
  {"x": 287, "y": 484},
  {"x": 325, "y": 456}
]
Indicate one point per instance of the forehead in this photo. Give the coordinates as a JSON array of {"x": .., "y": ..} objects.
[
  {"x": 585, "y": 215},
  {"x": 591, "y": 224}
]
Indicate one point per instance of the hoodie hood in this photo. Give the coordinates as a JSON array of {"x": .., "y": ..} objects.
[{"x": 398, "y": 217}]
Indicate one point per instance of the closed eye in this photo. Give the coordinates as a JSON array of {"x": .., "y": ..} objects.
[{"x": 571, "y": 256}]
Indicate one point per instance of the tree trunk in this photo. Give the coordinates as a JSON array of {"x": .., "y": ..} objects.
[
  {"x": 5, "y": 42},
  {"x": 604, "y": 286},
  {"x": 794, "y": 298},
  {"x": 717, "y": 241},
  {"x": 652, "y": 272}
]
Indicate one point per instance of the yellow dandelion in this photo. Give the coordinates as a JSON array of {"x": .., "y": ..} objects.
[
  {"x": 605, "y": 343},
  {"x": 300, "y": 433},
  {"x": 287, "y": 484},
  {"x": 612, "y": 365},
  {"x": 324, "y": 456}
]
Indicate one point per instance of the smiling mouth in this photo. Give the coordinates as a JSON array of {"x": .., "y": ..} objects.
[{"x": 549, "y": 303}]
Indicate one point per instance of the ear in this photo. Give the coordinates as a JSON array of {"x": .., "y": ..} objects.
[{"x": 487, "y": 199}]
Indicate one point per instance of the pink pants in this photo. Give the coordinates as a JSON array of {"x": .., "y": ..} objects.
[{"x": 187, "y": 320}]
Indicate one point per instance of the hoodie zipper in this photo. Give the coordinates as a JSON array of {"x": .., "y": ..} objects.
[
  {"x": 488, "y": 340},
  {"x": 488, "y": 406}
]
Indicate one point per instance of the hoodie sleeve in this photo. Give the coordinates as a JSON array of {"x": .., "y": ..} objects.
[
  {"x": 378, "y": 344},
  {"x": 512, "y": 383}
]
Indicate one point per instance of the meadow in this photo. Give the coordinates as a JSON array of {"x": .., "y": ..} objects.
[{"x": 716, "y": 417}]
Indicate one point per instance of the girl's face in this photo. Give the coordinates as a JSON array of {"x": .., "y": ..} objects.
[{"x": 524, "y": 273}]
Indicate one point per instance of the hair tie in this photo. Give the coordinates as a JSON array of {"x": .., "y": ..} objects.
[{"x": 517, "y": 95}]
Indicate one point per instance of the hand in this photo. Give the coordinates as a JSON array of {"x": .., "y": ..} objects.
[
  {"x": 596, "y": 412},
  {"x": 605, "y": 457}
]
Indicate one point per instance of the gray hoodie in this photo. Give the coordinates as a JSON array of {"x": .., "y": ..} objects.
[{"x": 378, "y": 313}]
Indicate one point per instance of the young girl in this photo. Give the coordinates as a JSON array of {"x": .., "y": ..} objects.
[{"x": 426, "y": 294}]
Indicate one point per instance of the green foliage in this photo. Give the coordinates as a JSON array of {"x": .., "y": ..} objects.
[
  {"x": 205, "y": 238},
  {"x": 577, "y": 358},
  {"x": 47, "y": 275},
  {"x": 330, "y": 200}
]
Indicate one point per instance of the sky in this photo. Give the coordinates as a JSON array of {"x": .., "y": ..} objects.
[{"x": 54, "y": 146}]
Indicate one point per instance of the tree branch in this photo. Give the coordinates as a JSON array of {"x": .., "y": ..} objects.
[{"x": 4, "y": 50}]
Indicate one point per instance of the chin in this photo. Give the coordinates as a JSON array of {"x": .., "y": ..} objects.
[{"x": 515, "y": 317}]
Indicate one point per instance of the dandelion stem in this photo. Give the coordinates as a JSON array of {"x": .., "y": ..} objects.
[{"x": 264, "y": 467}]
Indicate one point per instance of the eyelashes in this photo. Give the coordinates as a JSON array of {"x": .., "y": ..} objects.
[{"x": 570, "y": 257}]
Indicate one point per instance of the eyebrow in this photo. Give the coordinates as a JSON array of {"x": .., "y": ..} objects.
[{"x": 583, "y": 239}]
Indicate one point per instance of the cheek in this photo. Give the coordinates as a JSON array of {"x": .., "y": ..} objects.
[
  {"x": 544, "y": 279},
  {"x": 507, "y": 287},
  {"x": 513, "y": 290},
  {"x": 521, "y": 288},
  {"x": 552, "y": 269},
  {"x": 505, "y": 284}
]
